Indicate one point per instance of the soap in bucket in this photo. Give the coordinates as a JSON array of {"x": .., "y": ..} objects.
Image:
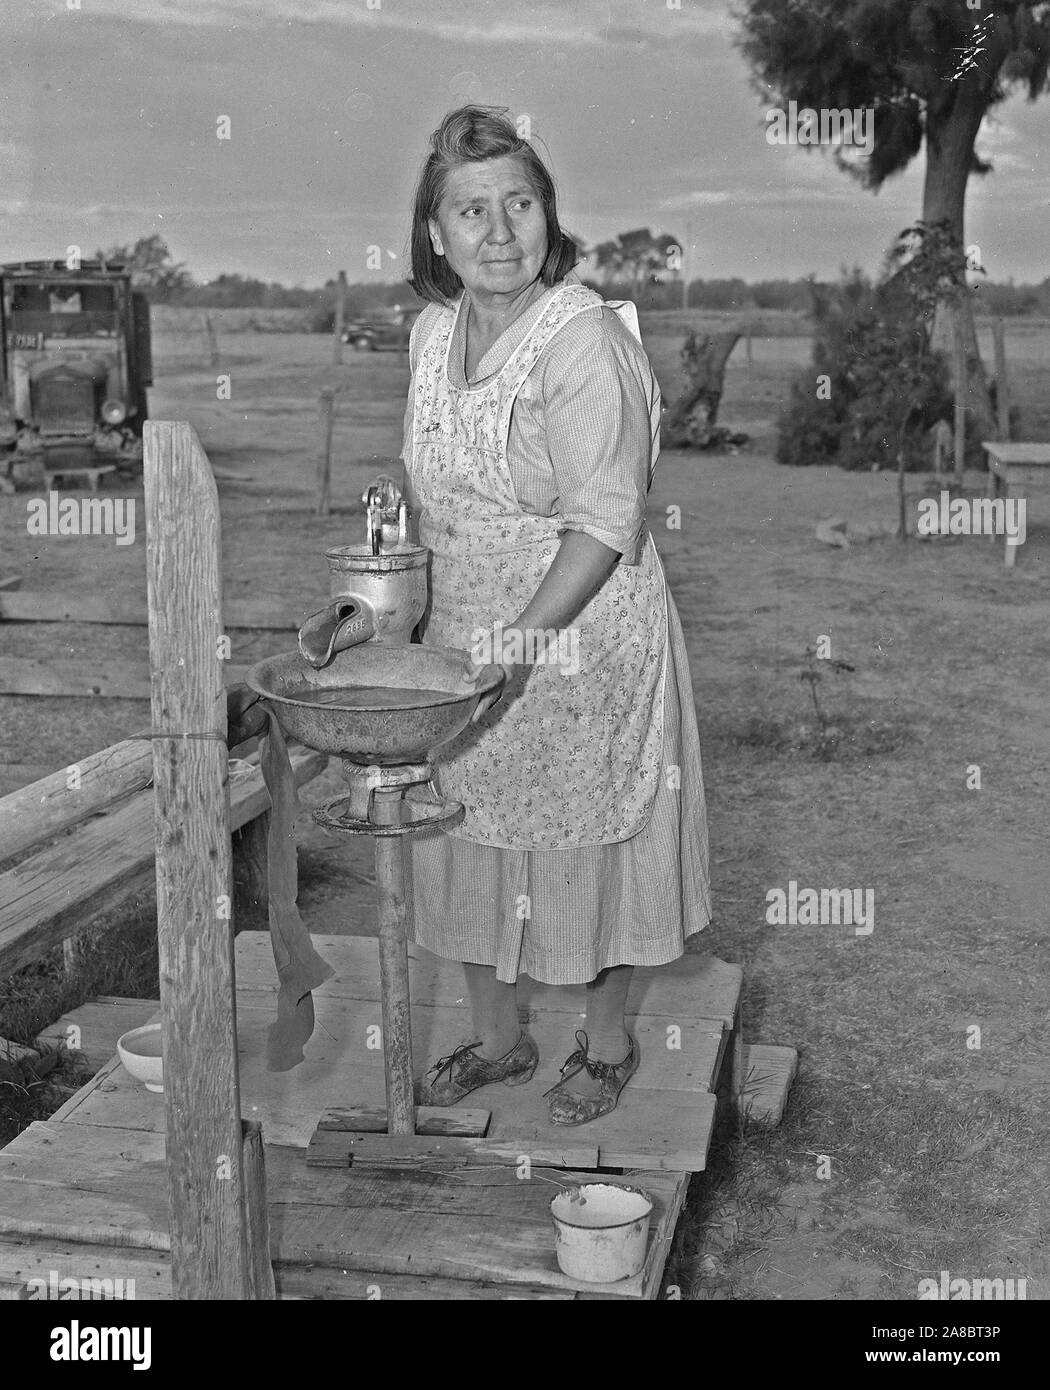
[{"x": 601, "y": 1231}]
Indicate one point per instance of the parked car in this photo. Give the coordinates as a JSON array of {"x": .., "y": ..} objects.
[
  {"x": 386, "y": 329},
  {"x": 75, "y": 364}
]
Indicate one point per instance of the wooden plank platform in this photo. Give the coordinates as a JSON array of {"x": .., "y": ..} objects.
[
  {"x": 44, "y": 1260},
  {"x": 667, "y": 1124},
  {"x": 768, "y": 1072},
  {"x": 146, "y": 1273},
  {"x": 337, "y": 1149},
  {"x": 83, "y": 1196},
  {"x": 93, "y": 1028},
  {"x": 77, "y": 1191},
  {"x": 430, "y": 1120}
]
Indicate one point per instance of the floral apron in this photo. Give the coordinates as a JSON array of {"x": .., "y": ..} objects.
[{"x": 571, "y": 753}]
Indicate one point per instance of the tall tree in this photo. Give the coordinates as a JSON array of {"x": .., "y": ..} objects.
[
  {"x": 930, "y": 69},
  {"x": 152, "y": 266},
  {"x": 635, "y": 256}
]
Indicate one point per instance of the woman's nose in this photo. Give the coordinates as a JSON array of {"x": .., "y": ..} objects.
[{"x": 500, "y": 230}]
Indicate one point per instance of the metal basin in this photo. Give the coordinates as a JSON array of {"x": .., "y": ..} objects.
[{"x": 411, "y": 700}]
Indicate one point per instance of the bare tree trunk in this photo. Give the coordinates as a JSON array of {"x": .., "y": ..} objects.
[
  {"x": 691, "y": 421},
  {"x": 951, "y": 130}
]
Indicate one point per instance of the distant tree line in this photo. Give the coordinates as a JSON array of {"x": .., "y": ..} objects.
[
  {"x": 637, "y": 266},
  {"x": 797, "y": 296}
]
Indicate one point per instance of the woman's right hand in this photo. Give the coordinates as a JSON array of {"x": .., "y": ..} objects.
[
  {"x": 487, "y": 701},
  {"x": 479, "y": 661}
]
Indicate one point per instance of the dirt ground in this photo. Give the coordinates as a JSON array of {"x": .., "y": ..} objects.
[{"x": 906, "y": 1150}]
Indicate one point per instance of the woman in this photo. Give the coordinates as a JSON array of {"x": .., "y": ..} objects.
[{"x": 530, "y": 438}]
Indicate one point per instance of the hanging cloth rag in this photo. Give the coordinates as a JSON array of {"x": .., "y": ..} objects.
[{"x": 300, "y": 970}]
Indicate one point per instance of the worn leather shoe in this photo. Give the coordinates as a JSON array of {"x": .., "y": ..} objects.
[
  {"x": 455, "y": 1076},
  {"x": 567, "y": 1108}
]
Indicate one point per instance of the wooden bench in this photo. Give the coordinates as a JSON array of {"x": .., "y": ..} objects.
[
  {"x": 89, "y": 832},
  {"x": 1015, "y": 465}
]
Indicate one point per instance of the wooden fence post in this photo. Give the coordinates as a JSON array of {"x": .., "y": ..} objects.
[
  {"x": 340, "y": 318},
  {"x": 208, "y": 1194},
  {"x": 324, "y": 466},
  {"x": 960, "y": 395},
  {"x": 687, "y": 262},
  {"x": 257, "y": 1233},
  {"x": 212, "y": 341},
  {"x": 1002, "y": 385}
]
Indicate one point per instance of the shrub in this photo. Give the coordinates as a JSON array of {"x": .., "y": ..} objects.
[{"x": 871, "y": 343}]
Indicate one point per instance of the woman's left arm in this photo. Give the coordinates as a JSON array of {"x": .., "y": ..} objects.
[
  {"x": 577, "y": 572},
  {"x": 599, "y": 437},
  {"x": 599, "y": 434}
]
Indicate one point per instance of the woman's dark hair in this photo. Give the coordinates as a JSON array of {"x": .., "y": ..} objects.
[{"x": 471, "y": 134}]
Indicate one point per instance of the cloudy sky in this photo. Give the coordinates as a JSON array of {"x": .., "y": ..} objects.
[{"x": 108, "y": 112}]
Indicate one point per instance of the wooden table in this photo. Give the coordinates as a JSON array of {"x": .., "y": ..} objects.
[{"x": 1019, "y": 466}]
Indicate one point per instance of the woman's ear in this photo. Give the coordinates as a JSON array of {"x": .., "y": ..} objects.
[{"x": 435, "y": 237}]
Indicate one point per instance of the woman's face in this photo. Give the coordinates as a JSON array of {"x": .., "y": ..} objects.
[{"x": 491, "y": 228}]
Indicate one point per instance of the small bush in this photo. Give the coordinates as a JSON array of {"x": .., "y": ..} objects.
[{"x": 873, "y": 348}]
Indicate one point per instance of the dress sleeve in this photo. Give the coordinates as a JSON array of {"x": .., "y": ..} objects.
[
  {"x": 421, "y": 330},
  {"x": 418, "y": 334},
  {"x": 599, "y": 415}
]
